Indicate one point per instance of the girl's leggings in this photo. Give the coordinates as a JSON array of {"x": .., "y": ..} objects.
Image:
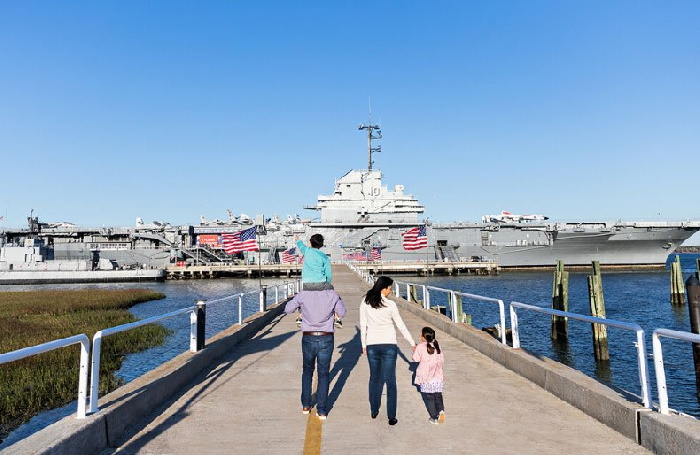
[{"x": 433, "y": 401}]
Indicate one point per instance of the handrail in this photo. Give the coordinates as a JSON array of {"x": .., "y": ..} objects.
[
  {"x": 640, "y": 344},
  {"x": 426, "y": 302},
  {"x": 51, "y": 345},
  {"x": 659, "y": 360},
  {"x": 97, "y": 343}
]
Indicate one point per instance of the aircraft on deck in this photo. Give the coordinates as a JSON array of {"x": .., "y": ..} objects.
[{"x": 507, "y": 217}]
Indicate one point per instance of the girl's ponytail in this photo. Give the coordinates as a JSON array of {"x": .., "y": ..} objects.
[{"x": 429, "y": 335}]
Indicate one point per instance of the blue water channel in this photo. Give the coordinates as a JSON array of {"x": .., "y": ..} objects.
[{"x": 640, "y": 297}]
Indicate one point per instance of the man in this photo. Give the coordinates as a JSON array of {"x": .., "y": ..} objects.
[{"x": 317, "y": 310}]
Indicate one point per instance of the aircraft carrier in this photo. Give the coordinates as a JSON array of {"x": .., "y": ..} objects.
[{"x": 363, "y": 215}]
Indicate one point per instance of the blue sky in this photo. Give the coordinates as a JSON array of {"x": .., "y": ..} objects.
[{"x": 172, "y": 110}]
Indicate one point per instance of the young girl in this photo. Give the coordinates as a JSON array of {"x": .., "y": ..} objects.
[{"x": 429, "y": 375}]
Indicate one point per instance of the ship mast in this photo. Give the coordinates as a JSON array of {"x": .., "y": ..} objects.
[{"x": 370, "y": 136}]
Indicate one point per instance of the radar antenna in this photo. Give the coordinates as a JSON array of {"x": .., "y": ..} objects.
[{"x": 371, "y": 136}]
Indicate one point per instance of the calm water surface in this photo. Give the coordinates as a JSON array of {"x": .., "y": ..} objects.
[{"x": 636, "y": 297}]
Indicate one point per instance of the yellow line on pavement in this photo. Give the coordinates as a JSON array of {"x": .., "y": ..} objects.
[
  {"x": 314, "y": 428},
  {"x": 314, "y": 432}
]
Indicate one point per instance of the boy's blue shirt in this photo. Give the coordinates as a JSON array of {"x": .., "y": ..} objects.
[{"x": 317, "y": 266}]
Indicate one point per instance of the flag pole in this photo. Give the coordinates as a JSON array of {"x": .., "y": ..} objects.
[{"x": 257, "y": 241}]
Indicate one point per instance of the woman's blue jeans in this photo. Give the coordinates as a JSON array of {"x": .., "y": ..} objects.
[
  {"x": 316, "y": 350},
  {"x": 382, "y": 370}
]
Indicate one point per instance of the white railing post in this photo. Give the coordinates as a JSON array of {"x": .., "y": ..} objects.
[
  {"x": 240, "y": 309},
  {"x": 426, "y": 298},
  {"x": 83, "y": 378},
  {"x": 502, "y": 315},
  {"x": 55, "y": 344},
  {"x": 643, "y": 370},
  {"x": 660, "y": 373},
  {"x": 514, "y": 327},
  {"x": 95, "y": 373},
  {"x": 193, "y": 331}
]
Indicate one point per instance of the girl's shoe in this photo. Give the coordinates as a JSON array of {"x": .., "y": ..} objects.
[
  {"x": 441, "y": 417},
  {"x": 433, "y": 421}
]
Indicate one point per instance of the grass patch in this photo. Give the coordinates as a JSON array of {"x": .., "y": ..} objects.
[{"x": 50, "y": 380}]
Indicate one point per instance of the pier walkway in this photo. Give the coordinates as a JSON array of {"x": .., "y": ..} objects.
[{"x": 249, "y": 403}]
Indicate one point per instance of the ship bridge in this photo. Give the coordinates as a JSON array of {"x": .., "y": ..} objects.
[{"x": 359, "y": 196}]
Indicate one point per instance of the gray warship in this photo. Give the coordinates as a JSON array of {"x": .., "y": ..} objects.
[{"x": 363, "y": 215}]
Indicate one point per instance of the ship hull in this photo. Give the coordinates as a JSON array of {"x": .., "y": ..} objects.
[{"x": 514, "y": 246}]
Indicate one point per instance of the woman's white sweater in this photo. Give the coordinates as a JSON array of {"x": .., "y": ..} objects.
[{"x": 377, "y": 324}]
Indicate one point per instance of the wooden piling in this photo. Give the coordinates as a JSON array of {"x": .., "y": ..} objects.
[
  {"x": 693, "y": 287},
  {"x": 597, "y": 303},
  {"x": 560, "y": 301},
  {"x": 461, "y": 316},
  {"x": 677, "y": 286},
  {"x": 413, "y": 294}
]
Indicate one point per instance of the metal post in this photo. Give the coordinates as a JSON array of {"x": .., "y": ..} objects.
[
  {"x": 660, "y": 373},
  {"x": 240, "y": 309},
  {"x": 201, "y": 324},
  {"x": 514, "y": 327},
  {"x": 426, "y": 298},
  {"x": 692, "y": 286},
  {"x": 263, "y": 298}
]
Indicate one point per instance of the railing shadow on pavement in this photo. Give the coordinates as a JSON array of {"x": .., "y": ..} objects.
[{"x": 208, "y": 378}]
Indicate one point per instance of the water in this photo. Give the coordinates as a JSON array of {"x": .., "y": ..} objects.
[
  {"x": 640, "y": 297},
  {"x": 179, "y": 294}
]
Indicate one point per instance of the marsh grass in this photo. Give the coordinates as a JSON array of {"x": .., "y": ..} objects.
[{"x": 46, "y": 381}]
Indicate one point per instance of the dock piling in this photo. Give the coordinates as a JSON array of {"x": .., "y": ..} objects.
[
  {"x": 560, "y": 301},
  {"x": 692, "y": 285},
  {"x": 597, "y": 302},
  {"x": 677, "y": 288}
]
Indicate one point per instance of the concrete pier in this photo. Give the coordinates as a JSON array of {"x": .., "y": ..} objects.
[
  {"x": 241, "y": 395},
  {"x": 249, "y": 403}
]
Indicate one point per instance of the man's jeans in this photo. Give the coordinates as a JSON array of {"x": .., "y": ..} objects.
[
  {"x": 316, "y": 349},
  {"x": 382, "y": 369}
]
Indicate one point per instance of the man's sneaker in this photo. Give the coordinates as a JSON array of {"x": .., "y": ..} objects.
[
  {"x": 322, "y": 417},
  {"x": 433, "y": 421},
  {"x": 338, "y": 323},
  {"x": 298, "y": 321},
  {"x": 305, "y": 410},
  {"x": 441, "y": 417}
]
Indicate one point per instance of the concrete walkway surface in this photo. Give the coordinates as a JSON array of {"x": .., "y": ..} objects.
[{"x": 250, "y": 403}]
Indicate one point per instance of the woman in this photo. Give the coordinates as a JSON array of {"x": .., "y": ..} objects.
[{"x": 378, "y": 315}]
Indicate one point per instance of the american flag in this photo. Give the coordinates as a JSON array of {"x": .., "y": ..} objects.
[
  {"x": 245, "y": 240},
  {"x": 356, "y": 256},
  {"x": 415, "y": 238},
  {"x": 375, "y": 254},
  {"x": 289, "y": 256}
]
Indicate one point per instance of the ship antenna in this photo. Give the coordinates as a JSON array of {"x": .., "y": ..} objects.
[{"x": 371, "y": 136}]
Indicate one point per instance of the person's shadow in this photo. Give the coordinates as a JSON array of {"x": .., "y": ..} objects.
[
  {"x": 411, "y": 366},
  {"x": 350, "y": 353}
]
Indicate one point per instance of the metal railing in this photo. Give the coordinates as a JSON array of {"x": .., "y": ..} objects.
[
  {"x": 196, "y": 342},
  {"x": 50, "y": 346},
  {"x": 97, "y": 345},
  {"x": 659, "y": 360},
  {"x": 453, "y": 302},
  {"x": 640, "y": 344}
]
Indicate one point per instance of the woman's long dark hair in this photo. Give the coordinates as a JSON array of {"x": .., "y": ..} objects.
[
  {"x": 374, "y": 295},
  {"x": 429, "y": 335}
]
